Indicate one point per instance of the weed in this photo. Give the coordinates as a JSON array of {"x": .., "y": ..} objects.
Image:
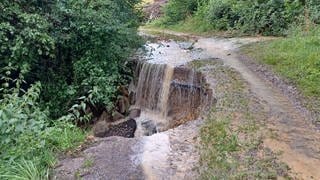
[
  {"x": 25, "y": 170},
  {"x": 88, "y": 162}
]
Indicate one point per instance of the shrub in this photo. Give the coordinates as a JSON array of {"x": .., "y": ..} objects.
[
  {"x": 28, "y": 136},
  {"x": 177, "y": 10},
  {"x": 221, "y": 15},
  {"x": 267, "y": 17},
  {"x": 314, "y": 10},
  {"x": 71, "y": 47}
]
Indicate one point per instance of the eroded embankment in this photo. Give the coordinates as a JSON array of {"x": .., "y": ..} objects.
[
  {"x": 295, "y": 135},
  {"x": 232, "y": 137},
  {"x": 169, "y": 97},
  {"x": 251, "y": 132}
]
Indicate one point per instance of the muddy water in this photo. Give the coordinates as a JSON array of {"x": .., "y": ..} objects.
[
  {"x": 296, "y": 137},
  {"x": 172, "y": 154},
  {"x": 167, "y": 91},
  {"x": 169, "y": 94}
]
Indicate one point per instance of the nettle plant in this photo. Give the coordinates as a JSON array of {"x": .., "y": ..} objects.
[
  {"x": 28, "y": 136},
  {"x": 21, "y": 119},
  {"x": 71, "y": 47}
]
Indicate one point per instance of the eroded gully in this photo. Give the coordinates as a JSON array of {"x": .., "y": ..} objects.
[
  {"x": 296, "y": 138},
  {"x": 172, "y": 154}
]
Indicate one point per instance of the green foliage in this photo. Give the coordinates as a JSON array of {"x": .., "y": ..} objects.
[
  {"x": 267, "y": 17},
  {"x": 71, "y": 47},
  {"x": 177, "y": 10},
  {"x": 297, "y": 59},
  {"x": 63, "y": 50},
  {"x": 27, "y": 134},
  {"x": 220, "y": 14},
  {"x": 264, "y": 17},
  {"x": 25, "y": 170},
  {"x": 313, "y": 6}
]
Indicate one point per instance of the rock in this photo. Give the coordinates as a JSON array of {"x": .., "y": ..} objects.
[
  {"x": 100, "y": 129},
  {"x": 134, "y": 113},
  {"x": 123, "y": 104},
  {"x": 111, "y": 157},
  {"x": 124, "y": 91},
  {"x": 132, "y": 98},
  {"x": 125, "y": 129},
  {"x": 186, "y": 45},
  {"x": 183, "y": 75},
  {"x": 150, "y": 127},
  {"x": 117, "y": 116},
  {"x": 105, "y": 116}
]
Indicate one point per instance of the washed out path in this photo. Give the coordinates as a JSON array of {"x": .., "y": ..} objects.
[{"x": 173, "y": 154}]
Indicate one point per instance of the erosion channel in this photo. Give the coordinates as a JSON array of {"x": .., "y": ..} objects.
[{"x": 168, "y": 99}]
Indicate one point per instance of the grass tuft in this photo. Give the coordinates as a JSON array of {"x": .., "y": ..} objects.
[{"x": 25, "y": 170}]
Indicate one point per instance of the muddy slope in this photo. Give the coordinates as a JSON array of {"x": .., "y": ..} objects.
[
  {"x": 296, "y": 137},
  {"x": 173, "y": 155}
]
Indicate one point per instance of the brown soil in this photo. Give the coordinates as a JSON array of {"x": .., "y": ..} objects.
[
  {"x": 172, "y": 154},
  {"x": 154, "y": 9},
  {"x": 294, "y": 137}
]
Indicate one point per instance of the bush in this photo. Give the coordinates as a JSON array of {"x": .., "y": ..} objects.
[
  {"x": 267, "y": 17},
  {"x": 71, "y": 47},
  {"x": 177, "y": 10},
  {"x": 221, "y": 15},
  {"x": 271, "y": 17},
  {"x": 30, "y": 139},
  {"x": 314, "y": 10},
  {"x": 56, "y": 55}
]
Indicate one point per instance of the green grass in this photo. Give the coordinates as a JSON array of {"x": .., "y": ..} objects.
[
  {"x": 297, "y": 58},
  {"x": 88, "y": 162},
  {"x": 231, "y": 139},
  {"x": 26, "y": 170},
  {"x": 191, "y": 25},
  {"x": 36, "y": 156}
]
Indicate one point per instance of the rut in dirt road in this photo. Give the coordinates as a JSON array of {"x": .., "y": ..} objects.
[
  {"x": 296, "y": 137},
  {"x": 169, "y": 94}
]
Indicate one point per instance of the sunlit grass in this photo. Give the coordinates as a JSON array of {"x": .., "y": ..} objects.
[
  {"x": 147, "y": 1},
  {"x": 296, "y": 58},
  {"x": 35, "y": 162}
]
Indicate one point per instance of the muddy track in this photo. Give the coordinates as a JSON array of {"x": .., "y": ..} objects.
[
  {"x": 173, "y": 155},
  {"x": 296, "y": 137}
]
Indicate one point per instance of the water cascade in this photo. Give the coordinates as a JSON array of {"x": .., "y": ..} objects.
[{"x": 167, "y": 96}]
